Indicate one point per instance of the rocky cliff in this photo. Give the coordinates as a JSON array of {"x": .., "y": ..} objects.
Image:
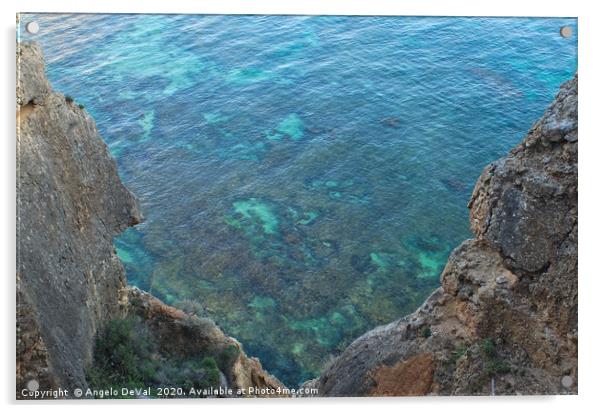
[
  {"x": 504, "y": 320},
  {"x": 70, "y": 205},
  {"x": 70, "y": 283}
]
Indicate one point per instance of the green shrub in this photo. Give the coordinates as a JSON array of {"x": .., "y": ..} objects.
[
  {"x": 81, "y": 106},
  {"x": 68, "y": 99},
  {"x": 492, "y": 364},
  {"x": 126, "y": 355},
  {"x": 425, "y": 332},
  {"x": 210, "y": 372},
  {"x": 228, "y": 356},
  {"x": 488, "y": 347},
  {"x": 122, "y": 357},
  {"x": 494, "y": 367}
]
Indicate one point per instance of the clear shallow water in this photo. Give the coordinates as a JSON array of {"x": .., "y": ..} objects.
[{"x": 303, "y": 178}]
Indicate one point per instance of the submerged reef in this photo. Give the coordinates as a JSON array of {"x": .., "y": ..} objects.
[
  {"x": 504, "y": 320},
  {"x": 283, "y": 269},
  {"x": 317, "y": 254}
]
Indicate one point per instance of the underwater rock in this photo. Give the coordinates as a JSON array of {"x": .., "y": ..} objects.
[
  {"x": 453, "y": 184},
  {"x": 362, "y": 264},
  {"x": 391, "y": 122},
  {"x": 258, "y": 214},
  {"x": 291, "y": 126},
  {"x": 507, "y": 305}
]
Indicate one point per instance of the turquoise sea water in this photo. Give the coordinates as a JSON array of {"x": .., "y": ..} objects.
[{"x": 303, "y": 178}]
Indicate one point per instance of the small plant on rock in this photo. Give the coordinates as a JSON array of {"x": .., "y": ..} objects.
[{"x": 492, "y": 364}]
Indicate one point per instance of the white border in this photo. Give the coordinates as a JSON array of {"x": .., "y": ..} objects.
[
  {"x": 590, "y": 70},
  {"x": 356, "y": 7}
]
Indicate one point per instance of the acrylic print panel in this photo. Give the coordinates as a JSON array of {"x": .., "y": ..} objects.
[{"x": 277, "y": 205}]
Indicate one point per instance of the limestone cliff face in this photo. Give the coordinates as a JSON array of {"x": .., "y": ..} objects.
[
  {"x": 70, "y": 283},
  {"x": 504, "y": 320},
  {"x": 70, "y": 205}
]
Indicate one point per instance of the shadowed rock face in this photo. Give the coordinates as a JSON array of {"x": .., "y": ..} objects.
[
  {"x": 70, "y": 205},
  {"x": 505, "y": 316}
]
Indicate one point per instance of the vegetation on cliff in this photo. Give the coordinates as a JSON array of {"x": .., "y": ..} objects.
[{"x": 127, "y": 355}]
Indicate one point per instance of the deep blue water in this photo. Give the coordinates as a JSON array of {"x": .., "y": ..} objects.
[{"x": 303, "y": 178}]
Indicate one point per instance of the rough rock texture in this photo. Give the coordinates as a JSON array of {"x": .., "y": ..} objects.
[
  {"x": 70, "y": 205},
  {"x": 504, "y": 320},
  {"x": 70, "y": 283}
]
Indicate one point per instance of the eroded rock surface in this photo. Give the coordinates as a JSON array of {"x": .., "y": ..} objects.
[
  {"x": 70, "y": 205},
  {"x": 504, "y": 320}
]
